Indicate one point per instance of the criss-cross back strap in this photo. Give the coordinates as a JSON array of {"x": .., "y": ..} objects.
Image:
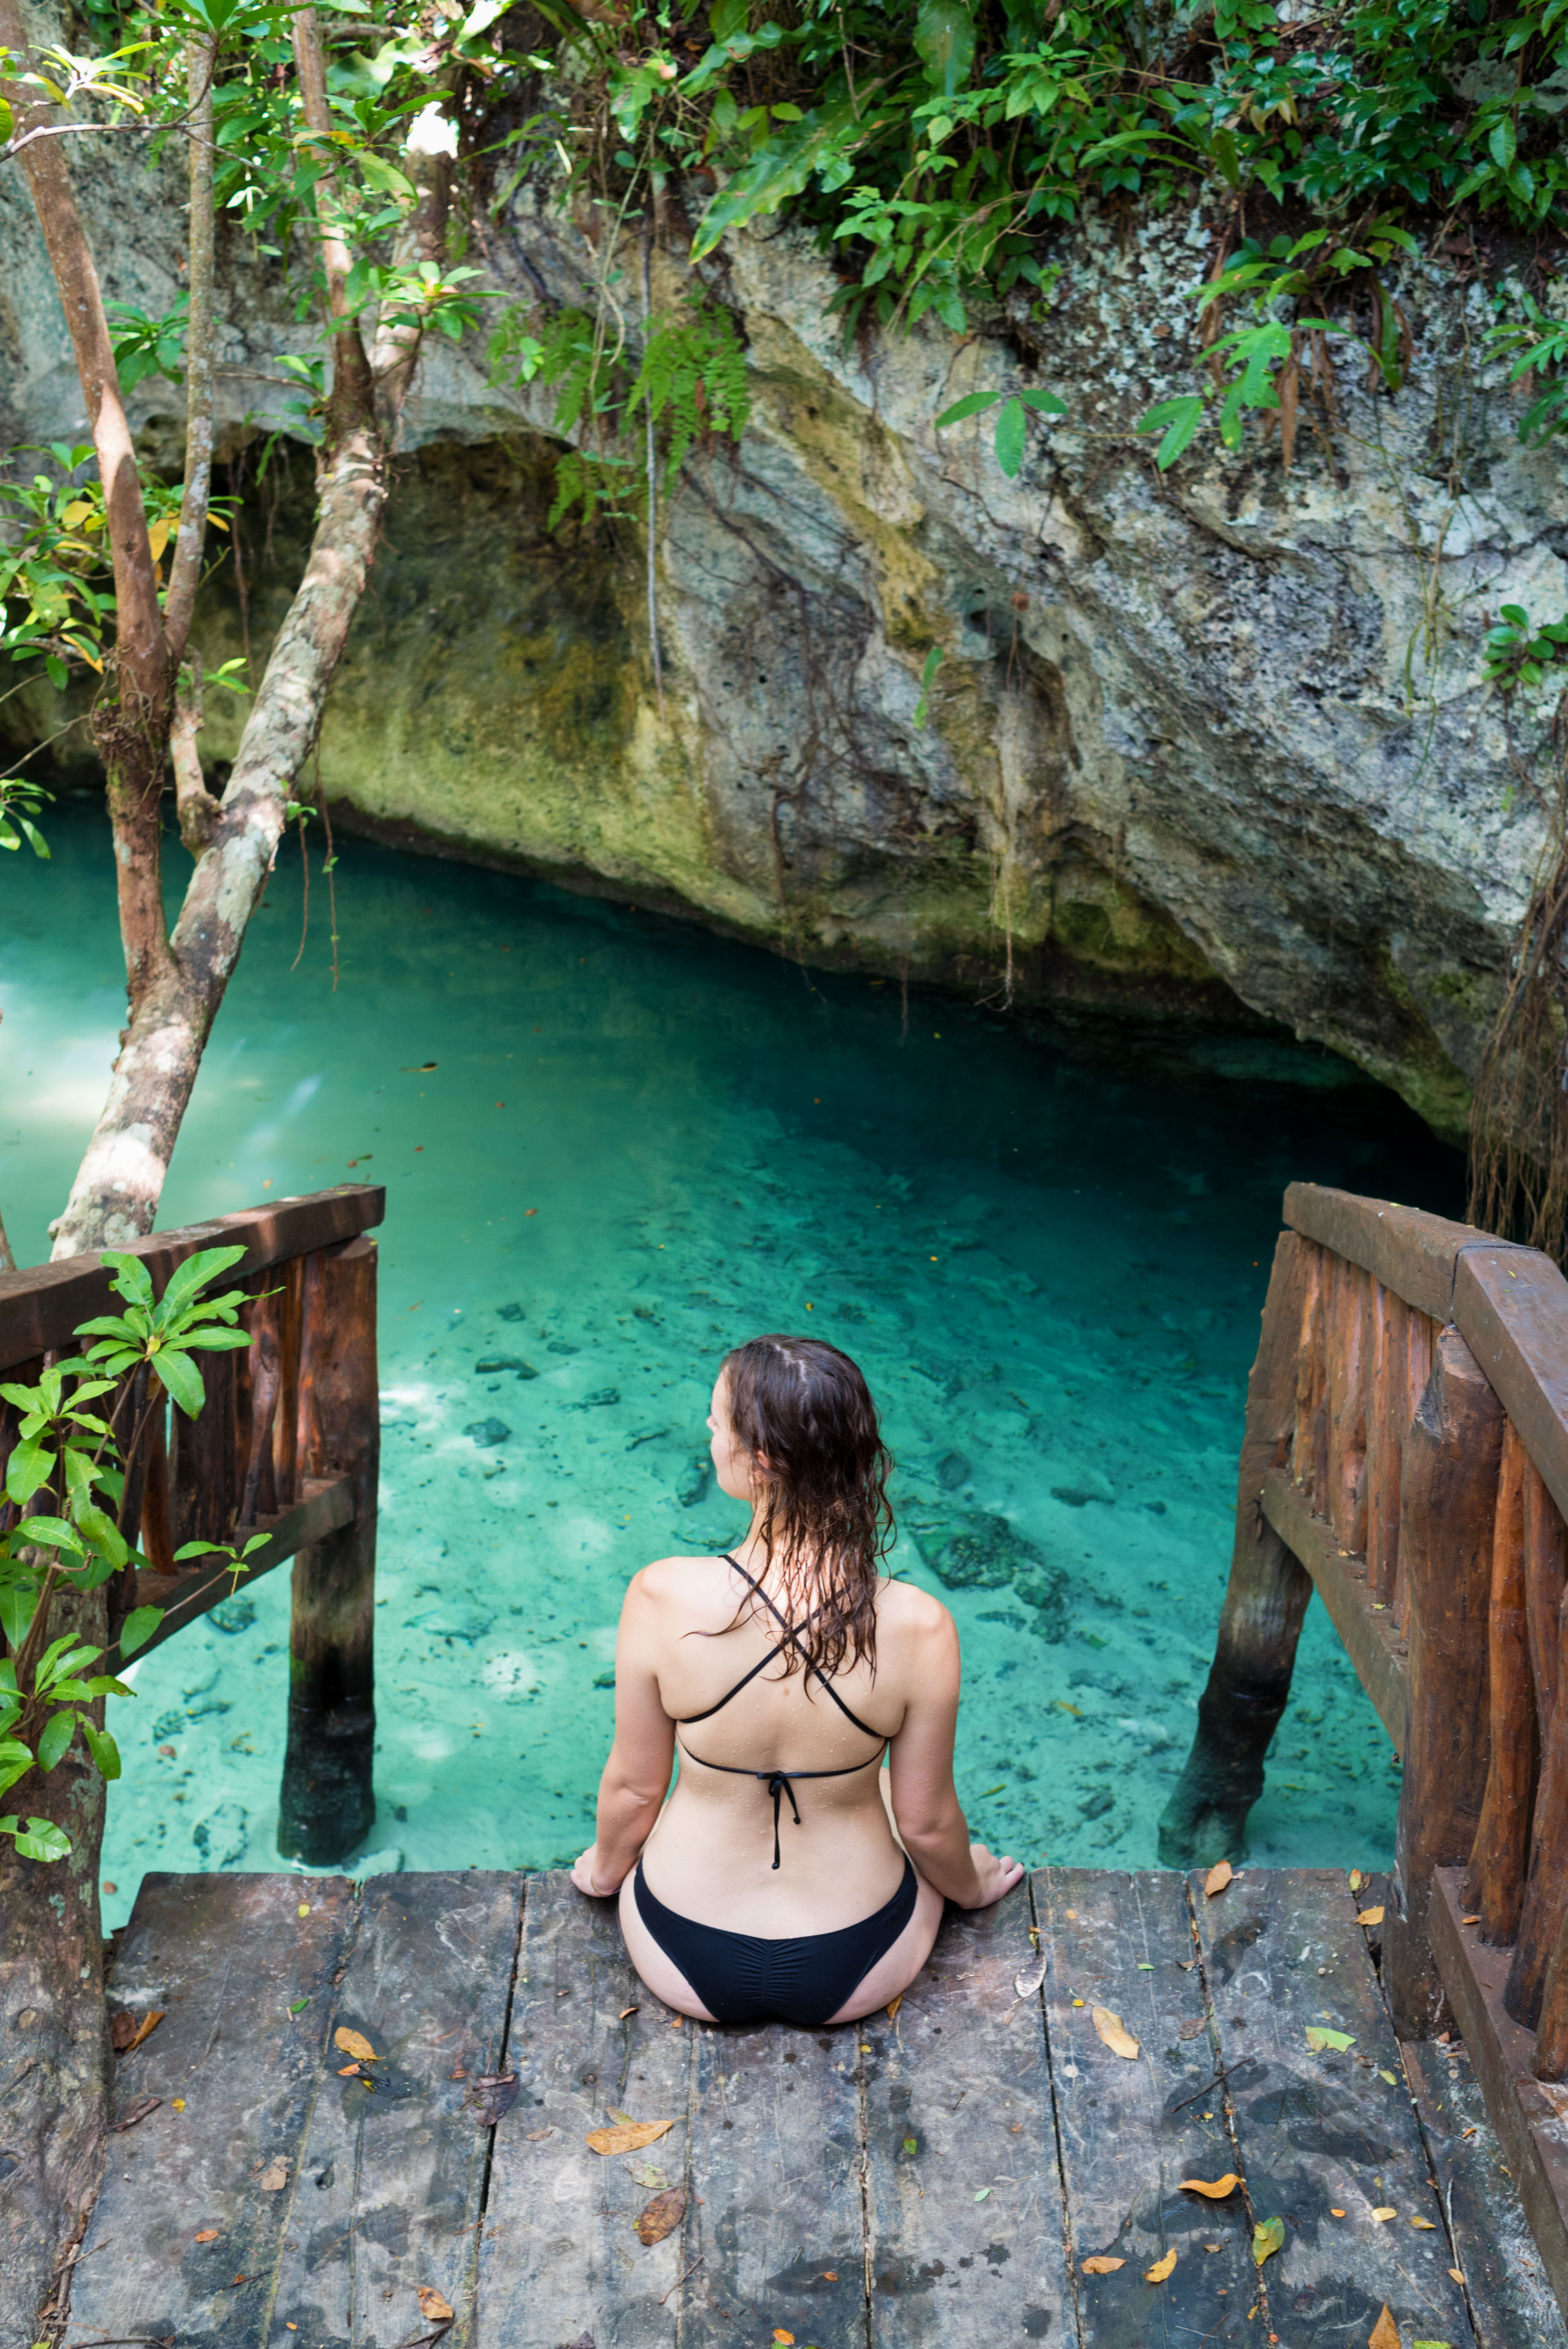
[{"x": 791, "y": 1633}]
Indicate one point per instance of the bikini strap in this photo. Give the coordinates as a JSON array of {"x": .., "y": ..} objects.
[
  {"x": 791, "y": 1634},
  {"x": 778, "y": 1782}
]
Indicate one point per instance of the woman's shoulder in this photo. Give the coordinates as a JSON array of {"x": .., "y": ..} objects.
[
  {"x": 903, "y": 1608},
  {"x": 667, "y": 1581}
]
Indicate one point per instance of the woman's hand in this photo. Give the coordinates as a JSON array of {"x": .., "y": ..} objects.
[
  {"x": 995, "y": 1877},
  {"x": 584, "y": 1877}
]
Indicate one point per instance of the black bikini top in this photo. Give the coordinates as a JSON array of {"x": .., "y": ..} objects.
[{"x": 778, "y": 1782}]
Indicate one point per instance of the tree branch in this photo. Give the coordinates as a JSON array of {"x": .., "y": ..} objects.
[
  {"x": 422, "y": 237},
  {"x": 199, "y": 810},
  {"x": 185, "y": 565},
  {"x": 351, "y": 385}
]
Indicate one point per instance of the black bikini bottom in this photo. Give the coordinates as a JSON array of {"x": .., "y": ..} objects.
[{"x": 743, "y": 1978}]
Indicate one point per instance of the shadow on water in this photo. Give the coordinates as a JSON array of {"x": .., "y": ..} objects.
[{"x": 614, "y": 1145}]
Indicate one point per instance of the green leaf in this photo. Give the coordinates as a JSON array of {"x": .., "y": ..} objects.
[
  {"x": 933, "y": 660},
  {"x": 199, "y": 1549},
  {"x": 58, "y": 1731},
  {"x": 138, "y": 1627},
  {"x": 1319, "y": 2039},
  {"x": 39, "y": 1839},
  {"x": 389, "y": 179},
  {"x": 1044, "y": 403},
  {"x": 780, "y": 169},
  {"x": 183, "y": 1380},
  {"x": 132, "y": 1279},
  {"x": 1011, "y": 428},
  {"x": 17, "y": 1601},
  {"x": 225, "y": 1340},
  {"x": 974, "y": 403},
  {"x": 48, "y": 1533},
  {"x": 15, "y": 1761},
  {"x": 945, "y": 39},
  {"x": 1268, "y": 2237},
  {"x": 103, "y": 1749},
  {"x": 195, "y": 1273},
  {"x": 31, "y": 1464},
  {"x": 104, "y": 1534}
]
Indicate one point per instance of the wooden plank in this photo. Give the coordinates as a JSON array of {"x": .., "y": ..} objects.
[
  {"x": 1387, "y": 1423},
  {"x": 1349, "y": 1354},
  {"x": 1506, "y": 2284},
  {"x": 1546, "y": 1883},
  {"x": 1512, "y": 1307},
  {"x": 1316, "y": 1274},
  {"x": 1370, "y": 1635},
  {"x": 1317, "y": 2133},
  {"x": 41, "y": 1307},
  {"x": 558, "y": 2257},
  {"x": 328, "y": 1503},
  {"x": 225, "y": 1958},
  {"x": 776, "y": 2164},
  {"x": 961, "y": 2074},
  {"x": 391, "y": 2176},
  {"x": 1132, "y": 2129},
  {"x": 1529, "y": 2116},
  {"x": 1496, "y": 1883},
  {"x": 1411, "y": 1253}
]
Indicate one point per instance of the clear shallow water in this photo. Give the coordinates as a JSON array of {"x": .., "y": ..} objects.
[{"x": 639, "y": 1145}]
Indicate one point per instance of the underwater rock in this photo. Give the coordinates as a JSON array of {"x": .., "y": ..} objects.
[
  {"x": 233, "y": 1615},
  {"x": 1078, "y": 1495},
  {"x": 605, "y": 1680},
  {"x": 499, "y": 1362},
  {"x": 952, "y": 1470},
  {"x": 1046, "y": 1591},
  {"x": 986, "y": 1553},
  {"x": 601, "y": 1399},
  {"x": 1097, "y": 1804},
  {"x": 508, "y": 1313},
  {"x": 691, "y": 1488},
  {"x": 488, "y": 1432},
  {"x": 221, "y": 1837}
]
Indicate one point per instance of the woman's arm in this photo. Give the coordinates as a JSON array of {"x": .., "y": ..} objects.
[
  {"x": 637, "y": 1774},
  {"x": 931, "y": 1822}
]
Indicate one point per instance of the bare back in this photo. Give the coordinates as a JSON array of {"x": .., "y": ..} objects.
[{"x": 690, "y": 1631}]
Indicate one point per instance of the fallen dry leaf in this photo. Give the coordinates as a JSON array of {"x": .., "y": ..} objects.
[
  {"x": 1268, "y": 2237},
  {"x": 893, "y": 2007},
  {"x": 785, "y": 2340},
  {"x": 1385, "y": 2333},
  {"x": 1337, "y": 2214},
  {"x": 432, "y": 2307},
  {"x": 1430, "y": 2225},
  {"x": 207, "y": 2235},
  {"x": 1370, "y": 1915},
  {"x": 1114, "y": 2032},
  {"x": 661, "y": 2216},
  {"x": 1470, "y": 1921},
  {"x": 1458, "y": 2274},
  {"x": 1357, "y": 1879},
  {"x": 1028, "y": 1978},
  {"x": 535, "y": 2135},
  {"x": 275, "y": 2176},
  {"x": 625, "y": 2010},
  {"x": 1161, "y": 2270},
  {"x": 1219, "y": 1875},
  {"x": 127, "y": 2032},
  {"x": 648, "y": 2174},
  {"x": 1190, "y": 2029},
  {"x": 349, "y": 2072},
  {"x": 1220, "y": 2189},
  {"x": 1383, "y": 2213},
  {"x": 354, "y": 2042},
  {"x": 138, "y": 2112},
  {"x": 629, "y": 2137},
  {"x": 1098, "y": 2266}
]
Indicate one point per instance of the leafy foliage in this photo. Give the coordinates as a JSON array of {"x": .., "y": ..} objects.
[
  {"x": 1516, "y": 652},
  {"x": 65, "y": 1480}
]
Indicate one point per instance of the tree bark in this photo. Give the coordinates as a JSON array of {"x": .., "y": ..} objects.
[
  {"x": 130, "y": 717},
  {"x": 185, "y": 565}
]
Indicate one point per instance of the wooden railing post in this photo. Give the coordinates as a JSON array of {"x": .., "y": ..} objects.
[
  {"x": 1447, "y": 1504},
  {"x": 1254, "y": 1655},
  {"x": 328, "y": 1803}
]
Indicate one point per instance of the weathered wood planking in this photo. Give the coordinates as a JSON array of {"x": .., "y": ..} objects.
[
  {"x": 1320, "y": 2132},
  {"x": 387, "y": 2192},
  {"x": 226, "y": 1958},
  {"x": 1132, "y": 2129},
  {"x": 558, "y": 2257},
  {"x": 1506, "y": 2283},
  {"x": 1368, "y": 1627},
  {"x": 1410, "y": 1252},
  {"x": 957, "y": 2106},
  {"x": 326, "y": 1504},
  {"x": 778, "y": 2213}
]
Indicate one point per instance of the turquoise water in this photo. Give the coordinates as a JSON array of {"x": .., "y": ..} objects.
[{"x": 638, "y": 1145}]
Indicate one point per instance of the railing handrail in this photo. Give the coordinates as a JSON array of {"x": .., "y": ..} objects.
[
  {"x": 1510, "y": 1304},
  {"x": 42, "y": 1306}
]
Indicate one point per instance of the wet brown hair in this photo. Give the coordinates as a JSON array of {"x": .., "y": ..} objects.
[{"x": 826, "y": 1522}]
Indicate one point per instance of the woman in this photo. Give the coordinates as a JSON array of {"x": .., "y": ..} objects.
[{"x": 786, "y": 1876}]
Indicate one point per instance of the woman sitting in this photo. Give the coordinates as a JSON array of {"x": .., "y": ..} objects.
[{"x": 784, "y": 1875}]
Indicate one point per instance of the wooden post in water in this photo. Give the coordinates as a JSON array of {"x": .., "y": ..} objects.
[
  {"x": 1447, "y": 1509},
  {"x": 1265, "y": 1599},
  {"x": 328, "y": 1802}
]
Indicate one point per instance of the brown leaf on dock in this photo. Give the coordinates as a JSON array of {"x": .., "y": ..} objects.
[
  {"x": 648, "y": 2174},
  {"x": 629, "y": 2137},
  {"x": 1114, "y": 2033},
  {"x": 661, "y": 2216},
  {"x": 494, "y": 2094},
  {"x": 432, "y": 2307},
  {"x": 893, "y": 2007},
  {"x": 1027, "y": 1979},
  {"x": 354, "y": 2043},
  {"x": 127, "y": 2032},
  {"x": 274, "y": 2176},
  {"x": 1099, "y": 2265},
  {"x": 1219, "y": 1875},
  {"x": 1218, "y": 2190},
  {"x": 1190, "y": 2029},
  {"x": 1385, "y": 2333},
  {"x": 1370, "y": 1915},
  {"x": 1161, "y": 2270},
  {"x": 207, "y": 2235},
  {"x": 625, "y": 2010}
]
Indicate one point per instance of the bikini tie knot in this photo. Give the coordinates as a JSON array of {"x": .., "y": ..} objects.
[{"x": 778, "y": 1787}]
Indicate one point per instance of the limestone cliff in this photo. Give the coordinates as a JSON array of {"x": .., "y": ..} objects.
[{"x": 1208, "y": 744}]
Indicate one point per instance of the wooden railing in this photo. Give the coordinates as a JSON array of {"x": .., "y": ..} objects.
[
  {"x": 1406, "y": 1455},
  {"x": 287, "y": 1446}
]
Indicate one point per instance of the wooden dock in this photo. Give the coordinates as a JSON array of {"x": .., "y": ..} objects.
[{"x": 983, "y": 2166}]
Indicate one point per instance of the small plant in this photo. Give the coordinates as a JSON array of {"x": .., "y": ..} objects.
[
  {"x": 1515, "y": 652},
  {"x": 67, "y": 1478},
  {"x": 20, "y": 803},
  {"x": 1012, "y": 423},
  {"x": 1540, "y": 345}
]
